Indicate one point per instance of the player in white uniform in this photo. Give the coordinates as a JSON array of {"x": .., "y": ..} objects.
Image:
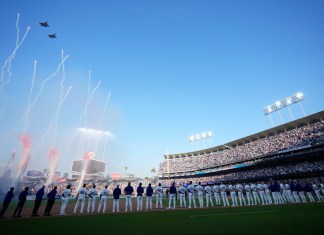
[
  {"x": 92, "y": 199},
  {"x": 240, "y": 195},
  {"x": 261, "y": 193},
  {"x": 182, "y": 195},
  {"x": 288, "y": 193},
  {"x": 231, "y": 188},
  {"x": 317, "y": 192},
  {"x": 191, "y": 194},
  {"x": 283, "y": 192},
  {"x": 65, "y": 198},
  {"x": 209, "y": 194},
  {"x": 255, "y": 194},
  {"x": 222, "y": 188},
  {"x": 322, "y": 188},
  {"x": 248, "y": 194},
  {"x": 159, "y": 195},
  {"x": 103, "y": 199},
  {"x": 81, "y": 199},
  {"x": 200, "y": 190},
  {"x": 267, "y": 193},
  {"x": 216, "y": 194}
]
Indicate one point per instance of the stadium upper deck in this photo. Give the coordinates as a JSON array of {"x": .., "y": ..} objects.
[{"x": 311, "y": 119}]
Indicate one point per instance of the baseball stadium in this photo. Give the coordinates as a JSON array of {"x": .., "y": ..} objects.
[{"x": 97, "y": 98}]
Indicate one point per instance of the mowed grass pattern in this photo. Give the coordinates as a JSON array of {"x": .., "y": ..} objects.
[{"x": 282, "y": 219}]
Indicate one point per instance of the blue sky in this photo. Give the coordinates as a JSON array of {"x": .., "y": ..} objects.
[{"x": 174, "y": 69}]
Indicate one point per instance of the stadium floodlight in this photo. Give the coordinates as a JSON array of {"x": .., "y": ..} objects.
[
  {"x": 285, "y": 103},
  {"x": 200, "y": 138},
  {"x": 298, "y": 97},
  {"x": 209, "y": 134},
  {"x": 191, "y": 138}
]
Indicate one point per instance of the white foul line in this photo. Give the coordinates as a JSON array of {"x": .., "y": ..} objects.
[{"x": 237, "y": 213}]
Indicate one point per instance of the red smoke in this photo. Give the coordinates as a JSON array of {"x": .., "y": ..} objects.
[{"x": 25, "y": 140}]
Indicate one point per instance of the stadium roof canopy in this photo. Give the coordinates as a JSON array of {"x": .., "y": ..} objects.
[{"x": 316, "y": 117}]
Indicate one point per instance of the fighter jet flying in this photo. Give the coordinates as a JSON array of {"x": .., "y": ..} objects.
[
  {"x": 44, "y": 24},
  {"x": 52, "y": 35}
]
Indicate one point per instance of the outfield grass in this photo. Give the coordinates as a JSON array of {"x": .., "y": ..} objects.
[{"x": 284, "y": 219}]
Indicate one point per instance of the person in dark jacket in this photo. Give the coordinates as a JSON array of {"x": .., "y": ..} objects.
[
  {"x": 140, "y": 191},
  {"x": 116, "y": 194},
  {"x": 22, "y": 199},
  {"x": 173, "y": 192},
  {"x": 38, "y": 200},
  {"x": 50, "y": 201},
  {"x": 9, "y": 196},
  {"x": 149, "y": 194},
  {"x": 128, "y": 192}
]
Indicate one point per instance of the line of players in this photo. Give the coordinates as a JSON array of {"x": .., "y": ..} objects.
[
  {"x": 241, "y": 194},
  {"x": 247, "y": 194},
  {"x": 261, "y": 193}
]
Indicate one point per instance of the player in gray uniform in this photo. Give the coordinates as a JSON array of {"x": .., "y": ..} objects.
[
  {"x": 65, "y": 198},
  {"x": 182, "y": 195},
  {"x": 209, "y": 194},
  {"x": 248, "y": 194},
  {"x": 92, "y": 199},
  {"x": 222, "y": 187},
  {"x": 216, "y": 194},
  {"x": 240, "y": 195},
  {"x": 80, "y": 198},
  {"x": 191, "y": 194},
  {"x": 103, "y": 199},
  {"x": 159, "y": 195},
  {"x": 200, "y": 191}
]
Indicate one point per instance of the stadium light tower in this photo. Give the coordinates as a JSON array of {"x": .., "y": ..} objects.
[
  {"x": 285, "y": 103},
  {"x": 200, "y": 137}
]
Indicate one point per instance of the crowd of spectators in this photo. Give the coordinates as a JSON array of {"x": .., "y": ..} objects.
[
  {"x": 288, "y": 140},
  {"x": 273, "y": 171}
]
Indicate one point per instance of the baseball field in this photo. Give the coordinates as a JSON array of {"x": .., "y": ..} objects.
[{"x": 274, "y": 219}]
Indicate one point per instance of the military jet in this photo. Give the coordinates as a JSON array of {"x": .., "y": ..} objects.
[
  {"x": 52, "y": 35},
  {"x": 44, "y": 24}
]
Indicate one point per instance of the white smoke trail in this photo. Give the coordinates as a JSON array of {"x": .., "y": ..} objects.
[
  {"x": 29, "y": 97},
  {"x": 33, "y": 81},
  {"x": 8, "y": 61},
  {"x": 55, "y": 117},
  {"x": 61, "y": 98},
  {"x": 30, "y": 105},
  {"x": 101, "y": 118},
  {"x": 104, "y": 111},
  {"x": 17, "y": 26}
]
